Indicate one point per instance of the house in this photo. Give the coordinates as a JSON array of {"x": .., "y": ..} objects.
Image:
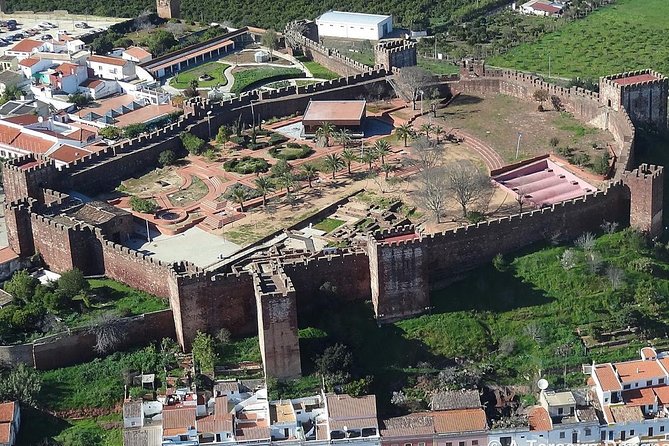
[
  {"x": 133, "y": 413},
  {"x": 25, "y": 48},
  {"x": 136, "y": 54},
  {"x": 544, "y": 8},
  {"x": 30, "y": 66},
  {"x": 455, "y": 399},
  {"x": 219, "y": 426},
  {"x": 10, "y": 422},
  {"x": 354, "y": 25},
  {"x": 179, "y": 424},
  {"x": 99, "y": 88},
  {"x": 67, "y": 76},
  {"x": 351, "y": 417},
  {"x": 114, "y": 68}
]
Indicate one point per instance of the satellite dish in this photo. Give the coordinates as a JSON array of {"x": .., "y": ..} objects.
[
  {"x": 40, "y": 119},
  {"x": 542, "y": 384}
]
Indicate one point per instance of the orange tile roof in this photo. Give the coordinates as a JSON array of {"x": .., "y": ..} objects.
[
  {"x": 460, "y": 420},
  {"x": 171, "y": 432},
  {"x": 5, "y": 431},
  {"x": 137, "y": 52},
  {"x": 26, "y": 46},
  {"x": 23, "y": 119},
  {"x": 662, "y": 393},
  {"x": 32, "y": 143},
  {"x": 29, "y": 62},
  {"x": 648, "y": 353},
  {"x": 639, "y": 397},
  {"x": 179, "y": 417},
  {"x": 107, "y": 60},
  {"x": 665, "y": 362},
  {"x": 607, "y": 377},
  {"x": 7, "y": 254},
  {"x": 539, "y": 419},
  {"x": 336, "y": 112},
  {"x": 67, "y": 68},
  {"x": 68, "y": 154},
  {"x": 7, "y": 412},
  {"x": 638, "y": 370}
]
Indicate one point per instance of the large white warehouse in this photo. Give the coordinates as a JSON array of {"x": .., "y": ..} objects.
[{"x": 354, "y": 25}]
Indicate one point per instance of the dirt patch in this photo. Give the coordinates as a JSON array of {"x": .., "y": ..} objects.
[
  {"x": 497, "y": 119},
  {"x": 153, "y": 183},
  {"x": 193, "y": 193}
]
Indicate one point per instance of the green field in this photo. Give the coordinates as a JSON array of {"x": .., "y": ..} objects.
[
  {"x": 214, "y": 69},
  {"x": 329, "y": 224},
  {"x": 317, "y": 70},
  {"x": 438, "y": 67},
  {"x": 248, "y": 77},
  {"x": 628, "y": 35}
]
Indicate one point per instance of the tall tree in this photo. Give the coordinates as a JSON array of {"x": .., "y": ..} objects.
[
  {"x": 343, "y": 137},
  {"x": 404, "y": 132},
  {"x": 333, "y": 163},
  {"x": 204, "y": 351},
  {"x": 264, "y": 186},
  {"x": 427, "y": 128},
  {"x": 349, "y": 156},
  {"x": 432, "y": 191},
  {"x": 382, "y": 149},
  {"x": 270, "y": 40},
  {"x": 325, "y": 132},
  {"x": 239, "y": 195},
  {"x": 468, "y": 184},
  {"x": 414, "y": 80},
  {"x": 426, "y": 154},
  {"x": 309, "y": 172}
]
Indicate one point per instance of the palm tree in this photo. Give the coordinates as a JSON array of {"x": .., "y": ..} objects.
[
  {"x": 325, "y": 131},
  {"x": 438, "y": 131},
  {"x": 309, "y": 172},
  {"x": 239, "y": 195},
  {"x": 368, "y": 156},
  {"x": 264, "y": 186},
  {"x": 387, "y": 168},
  {"x": 287, "y": 180},
  {"x": 349, "y": 156},
  {"x": 333, "y": 162},
  {"x": 343, "y": 137},
  {"x": 427, "y": 128},
  {"x": 382, "y": 148},
  {"x": 404, "y": 132}
]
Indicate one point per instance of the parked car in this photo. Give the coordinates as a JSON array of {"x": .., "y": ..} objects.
[
  {"x": 18, "y": 36},
  {"x": 3, "y": 42},
  {"x": 81, "y": 25},
  {"x": 46, "y": 37},
  {"x": 46, "y": 25},
  {"x": 11, "y": 26}
]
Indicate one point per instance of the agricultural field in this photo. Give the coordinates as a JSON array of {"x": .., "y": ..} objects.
[
  {"x": 247, "y": 77},
  {"x": 628, "y": 35},
  {"x": 213, "y": 69}
]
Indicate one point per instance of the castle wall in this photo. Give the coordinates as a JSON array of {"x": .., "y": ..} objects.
[
  {"x": 66, "y": 349},
  {"x": 331, "y": 59},
  {"x": 646, "y": 196},
  {"x": 647, "y": 103},
  {"x": 19, "y": 229}
]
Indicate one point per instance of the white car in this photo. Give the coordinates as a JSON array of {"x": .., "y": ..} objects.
[{"x": 46, "y": 25}]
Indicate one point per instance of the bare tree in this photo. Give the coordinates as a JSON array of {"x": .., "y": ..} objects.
[
  {"x": 414, "y": 80},
  {"x": 432, "y": 191},
  {"x": 468, "y": 185},
  {"x": 521, "y": 198},
  {"x": 293, "y": 33},
  {"x": 178, "y": 29},
  {"x": 109, "y": 333},
  {"x": 426, "y": 153}
]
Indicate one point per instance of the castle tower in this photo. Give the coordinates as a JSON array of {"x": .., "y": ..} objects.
[
  {"x": 168, "y": 9},
  {"x": 277, "y": 322},
  {"x": 645, "y": 186},
  {"x": 398, "y": 274},
  {"x": 643, "y": 94},
  {"x": 19, "y": 228},
  {"x": 395, "y": 53},
  {"x": 26, "y": 176}
]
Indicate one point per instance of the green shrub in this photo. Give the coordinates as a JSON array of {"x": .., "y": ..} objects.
[
  {"x": 134, "y": 130},
  {"x": 289, "y": 153},
  {"x": 143, "y": 205},
  {"x": 239, "y": 140},
  {"x": 601, "y": 164},
  {"x": 167, "y": 158},
  {"x": 475, "y": 217},
  {"x": 246, "y": 165},
  {"x": 193, "y": 144}
]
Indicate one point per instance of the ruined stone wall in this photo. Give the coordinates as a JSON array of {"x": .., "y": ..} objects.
[{"x": 66, "y": 349}]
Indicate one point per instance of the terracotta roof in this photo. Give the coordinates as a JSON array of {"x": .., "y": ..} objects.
[
  {"x": 460, "y": 420},
  {"x": 630, "y": 80},
  {"x": 639, "y": 397},
  {"x": 458, "y": 399},
  {"x": 179, "y": 418},
  {"x": 662, "y": 393},
  {"x": 545, "y": 7},
  {"x": 607, "y": 377},
  {"x": 68, "y": 154},
  {"x": 108, "y": 60},
  {"x": 638, "y": 370},
  {"x": 67, "y": 68},
  {"x": 648, "y": 353},
  {"x": 336, "y": 112},
  {"x": 5, "y": 432},
  {"x": 626, "y": 414},
  {"x": 81, "y": 134},
  {"x": 29, "y": 62},
  {"x": 351, "y": 412},
  {"x": 213, "y": 424},
  {"x": 408, "y": 425},
  {"x": 252, "y": 433},
  {"x": 7, "y": 412},
  {"x": 23, "y": 119},
  {"x": 91, "y": 83},
  {"x": 26, "y": 46},
  {"x": 539, "y": 419},
  {"x": 7, "y": 254},
  {"x": 137, "y": 52}
]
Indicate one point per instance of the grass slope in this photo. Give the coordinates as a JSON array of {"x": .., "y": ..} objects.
[
  {"x": 213, "y": 69},
  {"x": 247, "y": 78},
  {"x": 629, "y": 35}
]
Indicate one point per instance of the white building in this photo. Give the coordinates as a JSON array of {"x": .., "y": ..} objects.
[
  {"x": 353, "y": 25},
  {"x": 544, "y": 8},
  {"x": 114, "y": 68}
]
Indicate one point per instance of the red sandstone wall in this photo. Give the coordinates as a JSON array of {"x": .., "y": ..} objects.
[
  {"x": 52, "y": 241},
  {"x": 135, "y": 269}
]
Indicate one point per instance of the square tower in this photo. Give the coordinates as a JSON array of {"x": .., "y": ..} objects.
[
  {"x": 643, "y": 94},
  {"x": 168, "y": 9}
]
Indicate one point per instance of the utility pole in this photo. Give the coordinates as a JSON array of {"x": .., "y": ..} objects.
[{"x": 518, "y": 144}]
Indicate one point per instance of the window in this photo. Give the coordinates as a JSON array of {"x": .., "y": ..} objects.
[
  {"x": 660, "y": 381},
  {"x": 661, "y": 428},
  {"x": 462, "y": 443},
  {"x": 631, "y": 432},
  {"x": 560, "y": 410},
  {"x": 475, "y": 443},
  {"x": 421, "y": 444},
  {"x": 649, "y": 382},
  {"x": 408, "y": 444},
  {"x": 449, "y": 444},
  {"x": 626, "y": 386},
  {"x": 588, "y": 432},
  {"x": 562, "y": 435}
]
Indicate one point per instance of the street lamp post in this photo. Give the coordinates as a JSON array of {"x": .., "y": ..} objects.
[
  {"x": 421, "y": 101},
  {"x": 518, "y": 144},
  {"x": 209, "y": 122}
]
